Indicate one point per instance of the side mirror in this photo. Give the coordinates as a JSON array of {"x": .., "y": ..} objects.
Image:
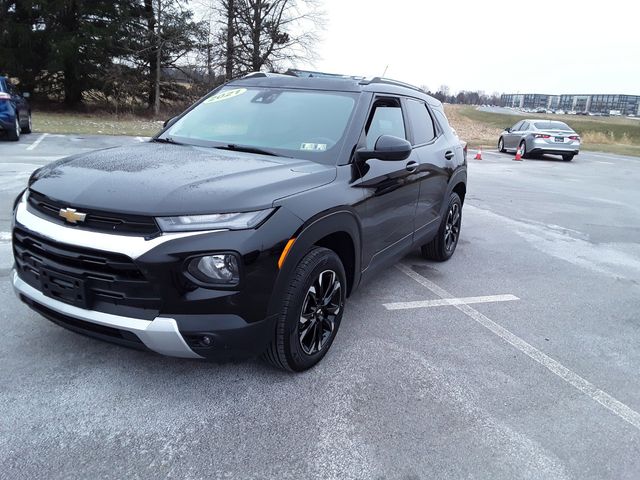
[
  {"x": 388, "y": 148},
  {"x": 26, "y": 95},
  {"x": 508, "y": 129},
  {"x": 168, "y": 123}
]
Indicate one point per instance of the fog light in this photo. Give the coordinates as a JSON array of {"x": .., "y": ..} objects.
[
  {"x": 207, "y": 340},
  {"x": 219, "y": 269}
]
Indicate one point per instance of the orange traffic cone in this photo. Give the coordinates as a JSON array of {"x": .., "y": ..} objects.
[
  {"x": 518, "y": 154},
  {"x": 479, "y": 154}
]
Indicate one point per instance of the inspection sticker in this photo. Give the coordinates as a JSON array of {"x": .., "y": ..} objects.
[
  {"x": 226, "y": 95},
  {"x": 314, "y": 147}
]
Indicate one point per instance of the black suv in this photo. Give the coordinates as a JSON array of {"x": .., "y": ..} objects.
[
  {"x": 15, "y": 112},
  {"x": 245, "y": 224}
]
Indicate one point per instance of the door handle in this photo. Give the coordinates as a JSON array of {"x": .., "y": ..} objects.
[
  {"x": 412, "y": 166},
  {"x": 449, "y": 155}
]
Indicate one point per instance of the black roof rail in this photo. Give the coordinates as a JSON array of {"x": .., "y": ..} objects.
[
  {"x": 389, "y": 81},
  {"x": 311, "y": 74},
  {"x": 262, "y": 74}
]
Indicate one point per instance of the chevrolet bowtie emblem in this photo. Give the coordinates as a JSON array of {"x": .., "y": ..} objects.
[{"x": 71, "y": 215}]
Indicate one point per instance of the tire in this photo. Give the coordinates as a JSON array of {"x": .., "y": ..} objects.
[
  {"x": 523, "y": 149},
  {"x": 568, "y": 158},
  {"x": 501, "y": 148},
  {"x": 29, "y": 126},
  {"x": 308, "y": 322},
  {"x": 442, "y": 247},
  {"x": 14, "y": 134}
]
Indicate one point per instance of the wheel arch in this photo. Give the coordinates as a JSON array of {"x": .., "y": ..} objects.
[{"x": 338, "y": 230}]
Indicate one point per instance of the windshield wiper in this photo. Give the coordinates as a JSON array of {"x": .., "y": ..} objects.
[
  {"x": 166, "y": 140},
  {"x": 248, "y": 149}
]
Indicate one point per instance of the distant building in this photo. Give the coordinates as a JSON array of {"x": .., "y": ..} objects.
[{"x": 625, "y": 104}]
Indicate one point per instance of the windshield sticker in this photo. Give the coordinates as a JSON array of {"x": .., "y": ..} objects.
[
  {"x": 314, "y": 147},
  {"x": 226, "y": 95}
]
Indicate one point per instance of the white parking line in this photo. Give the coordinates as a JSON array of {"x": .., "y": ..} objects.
[
  {"x": 37, "y": 142},
  {"x": 604, "y": 163},
  {"x": 603, "y": 398},
  {"x": 443, "y": 302}
]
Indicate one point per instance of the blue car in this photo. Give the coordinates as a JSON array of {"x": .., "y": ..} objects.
[{"x": 15, "y": 112}]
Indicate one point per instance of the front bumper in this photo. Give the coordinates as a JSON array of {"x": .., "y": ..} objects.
[{"x": 160, "y": 335}]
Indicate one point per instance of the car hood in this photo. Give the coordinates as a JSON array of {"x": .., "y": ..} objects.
[{"x": 164, "y": 179}]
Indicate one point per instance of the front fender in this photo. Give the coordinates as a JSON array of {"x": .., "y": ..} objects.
[{"x": 339, "y": 220}]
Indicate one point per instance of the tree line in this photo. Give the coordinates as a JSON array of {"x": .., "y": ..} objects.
[{"x": 128, "y": 54}]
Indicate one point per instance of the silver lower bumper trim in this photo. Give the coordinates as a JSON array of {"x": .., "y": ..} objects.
[{"x": 160, "y": 335}]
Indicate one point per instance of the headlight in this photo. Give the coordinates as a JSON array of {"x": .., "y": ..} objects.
[
  {"x": 227, "y": 221},
  {"x": 218, "y": 269}
]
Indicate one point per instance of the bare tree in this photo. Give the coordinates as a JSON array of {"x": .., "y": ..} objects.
[{"x": 272, "y": 33}]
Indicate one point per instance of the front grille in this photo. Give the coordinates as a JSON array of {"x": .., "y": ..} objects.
[
  {"x": 111, "y": 282},
  {"x": 96, "y": 220}
]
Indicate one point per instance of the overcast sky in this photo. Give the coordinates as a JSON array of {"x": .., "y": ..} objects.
[{"x": 545, "y": 46}]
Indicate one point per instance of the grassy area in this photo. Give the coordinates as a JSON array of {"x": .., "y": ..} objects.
[
  {"x": 95, "y": 124},
  {"x": 605, "y": 134}
]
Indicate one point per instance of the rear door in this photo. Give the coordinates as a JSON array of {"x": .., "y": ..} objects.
[
  {"x": 19, "y": 102},
  {"x": 431, "y": 149},
  {"x": 511, "y": 138}
]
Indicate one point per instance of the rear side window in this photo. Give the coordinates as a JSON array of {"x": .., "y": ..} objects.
[
  {"x": 386, "y": 119},
  {"x": 420, "y": 121}
]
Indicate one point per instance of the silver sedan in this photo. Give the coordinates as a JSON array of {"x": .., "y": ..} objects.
[{"x": 537, "y": 137}]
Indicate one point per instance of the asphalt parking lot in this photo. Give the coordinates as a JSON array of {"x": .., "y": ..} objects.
[{"x": 517, "y": 359}]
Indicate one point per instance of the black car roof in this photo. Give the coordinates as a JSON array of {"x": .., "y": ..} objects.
[{"x": 331, "y": 82}]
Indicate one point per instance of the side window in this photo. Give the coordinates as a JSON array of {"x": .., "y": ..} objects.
[
  {"x": 385, "y": 119},
  {"x": 516, "y": 127},
  {"x": 525, "y": 126},
  {"x": 421, "y": 122}
]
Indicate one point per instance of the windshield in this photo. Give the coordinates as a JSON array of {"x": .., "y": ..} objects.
[
  {"x": 553, "y": 126},
  {"x": 293, "y": 123}
]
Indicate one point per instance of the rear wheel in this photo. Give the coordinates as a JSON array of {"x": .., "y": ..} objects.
[
  {"x": 441, "y": 248},
  {"x": 523, "y": 149},
  {"x": 14, "y": 133},
  {"x": 28, "y": 125},
  {"x": 311, "y": 312},
  {"x": 568, "y": 157},
  {"x": 501, "y": 148}
]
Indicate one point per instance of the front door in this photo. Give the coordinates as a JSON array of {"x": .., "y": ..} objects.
[{"x": 391, "y": 187}]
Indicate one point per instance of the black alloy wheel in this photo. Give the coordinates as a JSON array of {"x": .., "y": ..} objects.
[{"x": 320, "y": 309}]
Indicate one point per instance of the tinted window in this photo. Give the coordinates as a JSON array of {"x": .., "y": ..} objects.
[
  {"x": 421, "y": 122},
  {"x": 525, "y": 126},
  {"x": 295, "y": 123},
  {"x": 3, "y": 88},
  {"x": 553, "y": 126},
  {"x": 385, "y": 120},
  {"x": 517, "y": 126}
]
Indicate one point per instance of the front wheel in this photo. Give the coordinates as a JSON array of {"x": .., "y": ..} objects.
[
  {"x": 441, "y": 248},
  {"x": 568, "y": 157},
  {"x": 501, "y": 148},
  {"x": 310, "y": 313}
]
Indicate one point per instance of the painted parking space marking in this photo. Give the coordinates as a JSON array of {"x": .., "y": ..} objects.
[
  {"x": 443, "y": 302},
  {"x": 603, "y": 398},
  {"x": 604, "y": 163},
  {"x": 37, "y": 142}
]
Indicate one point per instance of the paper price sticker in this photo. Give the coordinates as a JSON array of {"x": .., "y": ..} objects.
[{"x": 226, "y": 95}]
